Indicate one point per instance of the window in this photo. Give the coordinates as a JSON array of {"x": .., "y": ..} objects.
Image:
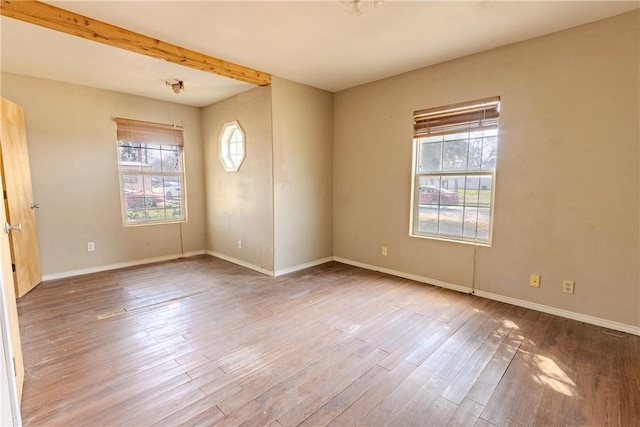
[
  {"x": 231, "y": 146},
  {"x": 150, "y": 161},
  {"x": 454, "y": 170}
]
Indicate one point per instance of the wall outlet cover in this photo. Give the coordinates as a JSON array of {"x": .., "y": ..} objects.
[
  {"x": 568, "y": 286},
  {"x": 534, "y": 281}
]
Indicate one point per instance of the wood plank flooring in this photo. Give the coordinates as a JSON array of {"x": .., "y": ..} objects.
[{"x": 200, "y": 341}]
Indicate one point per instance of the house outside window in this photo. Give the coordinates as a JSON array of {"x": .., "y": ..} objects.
[
  {"x": 454, "y": 166},
  {"x": 151, "y": 166}
]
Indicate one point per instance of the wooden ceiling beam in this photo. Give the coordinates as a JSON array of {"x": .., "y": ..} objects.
[{"x": 68, "y": 22}]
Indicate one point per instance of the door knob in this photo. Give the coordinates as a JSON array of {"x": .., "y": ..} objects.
[
  {"x": 9, "y": 228},
  {"x": 35, "y": 206}
]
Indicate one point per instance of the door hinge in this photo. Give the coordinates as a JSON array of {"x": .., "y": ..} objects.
[
  {"x": 13, "y": 268},
  {"x": 15, "y": 370},
  {"x": 4, "y": 193}
]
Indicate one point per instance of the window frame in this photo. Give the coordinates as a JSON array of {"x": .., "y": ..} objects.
[
  {"x": 160, "y": 137},
  {"x": 480, "y": 116},
  {"x": 229, "y": 129}
]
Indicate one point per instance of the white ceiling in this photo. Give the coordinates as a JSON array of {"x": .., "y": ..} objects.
[{"x": 311, "y": 42}]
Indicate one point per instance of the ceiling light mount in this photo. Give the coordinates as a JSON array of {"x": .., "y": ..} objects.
[{"x": 176, "y": 85}]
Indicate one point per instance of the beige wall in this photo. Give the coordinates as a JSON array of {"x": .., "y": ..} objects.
[
  {"x": 74, "y": 169},
  {"x": 568, "y": 182},
  {"x": 567, "y": 190},
  {"x": 240, "y": 204},
  {"x": 302, "y": 173},
  {"x": 279, "y": 204}
]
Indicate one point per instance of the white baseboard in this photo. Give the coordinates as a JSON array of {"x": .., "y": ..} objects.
[
  {"x": 295, "y": 268},
  {"x": 98, "y": 269},
  {"x": 634, "y": 330},
  {"x": 414, "y": 277},
  {"x": 269, "y": 272},
  {"x": 240, "y": 262}
]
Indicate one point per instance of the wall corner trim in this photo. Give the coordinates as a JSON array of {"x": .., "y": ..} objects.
[
  {"x": 634, "y": 330},
  {"x": 72, "y": 273}
]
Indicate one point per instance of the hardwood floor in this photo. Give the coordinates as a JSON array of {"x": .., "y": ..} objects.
[{"x": 200, "y": 341}]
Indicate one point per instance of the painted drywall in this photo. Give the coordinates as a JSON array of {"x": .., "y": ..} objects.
[
  {"x": 567, "y": 188},
  {"x": 73, "y": 154},
  {"x": 302, "y": 173},
  {"x": 240, "y": 204}
]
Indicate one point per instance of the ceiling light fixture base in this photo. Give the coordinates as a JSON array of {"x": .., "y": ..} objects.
[{"x": 176, "y": 85}]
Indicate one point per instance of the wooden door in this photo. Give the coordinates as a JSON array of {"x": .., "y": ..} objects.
[
  {"x": 10, "y": 298},
  {"x": 19, "y": 198}
]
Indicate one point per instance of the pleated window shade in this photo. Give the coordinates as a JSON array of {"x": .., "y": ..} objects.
[
  {"x": 465, "y": 117},
  {"x": 140, "y": 132}
]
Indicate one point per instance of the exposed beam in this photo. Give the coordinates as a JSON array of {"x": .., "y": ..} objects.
[{"x": 68, "y": 22}]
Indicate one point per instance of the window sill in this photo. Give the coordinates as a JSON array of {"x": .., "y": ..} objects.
[{"x": 452, "y": 239}]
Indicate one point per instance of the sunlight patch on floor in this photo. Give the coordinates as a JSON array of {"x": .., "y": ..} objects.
[{"x": 553, "y": 376}]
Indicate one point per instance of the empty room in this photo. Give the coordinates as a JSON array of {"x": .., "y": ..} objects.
[{"x": 320, "y": 213}]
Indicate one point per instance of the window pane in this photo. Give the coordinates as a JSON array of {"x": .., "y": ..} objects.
[
  {"x": 129, "y": 153},
  {"x": 450, "y": 189},
  {"x": 475, "y": 153},
  {"x": 476, "y": 222},
  {"x": 139, "y": 199},
  {"x": 471, "y": 193},
  {"x": 168, "y": 186},
  {"x": 470, "y": 222},
  {"x": 151, "y": 159},
  {"x": 136, "y": 183},
  {"x": 232, "y": 146},
  {"x": 171, "y": 159},
  {"x": 155, "y": 198},
  {"x": 489, "y": 151},
  {"x": 428, "y": 193},
  {"x": 484, "y": 222},
  {"x": 430, "y": 155},
  {"x": 235, "y": 137},
  {"x": 455, "y": 155},
  {"x": 174, "y": 197},
  {"x": 454, "y": 205},
  {"x": 484, "y": 192},
  {"x": 152, "y": 197},
  {"x": 428, "y": 218},
  {"x": 450, "y": 220}
]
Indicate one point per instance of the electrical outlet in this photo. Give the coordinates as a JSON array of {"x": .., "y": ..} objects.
[
  {"x": 384, "y": 251},
  {"x": 91, "y": 246},
  {"x": 239, "y": 244},
  {"x": 534, "y": 281},
  {"x": 568, "y": 286}
]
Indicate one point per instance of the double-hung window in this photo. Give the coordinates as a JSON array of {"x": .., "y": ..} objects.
[
  {"x": 150, "y": 160},
  {"x": 454, "y": 166}
]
